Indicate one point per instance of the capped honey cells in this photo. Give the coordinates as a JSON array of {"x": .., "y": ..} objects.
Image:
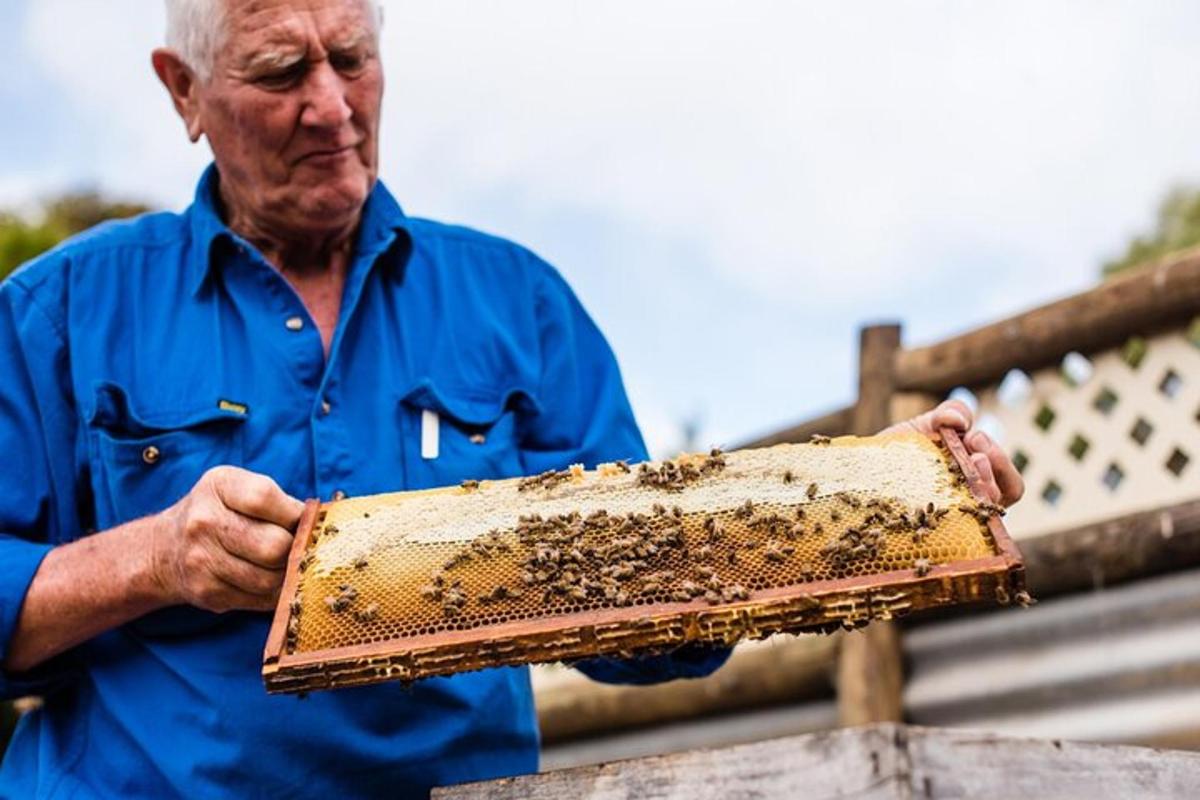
[{"x": 633, "y": 558}]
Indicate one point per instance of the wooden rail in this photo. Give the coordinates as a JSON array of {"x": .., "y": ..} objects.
[
  {"x": 1158, "y": 295},
  {"x": 834, "y": 423}
]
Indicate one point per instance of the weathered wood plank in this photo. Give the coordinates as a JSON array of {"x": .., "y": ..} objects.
[
  {"x": 835, "y": 764},
  {"x": 965, "y": 764},
  {"x": 876, "y": 762},
  {"x": 1157, "y": 296}
]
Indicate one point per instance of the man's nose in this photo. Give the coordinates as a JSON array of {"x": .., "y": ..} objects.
[{"x": 325, "y": 103}]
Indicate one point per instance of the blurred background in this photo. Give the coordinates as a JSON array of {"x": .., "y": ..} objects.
[
  {"x": 738, "y": 183},
  {"x": 734, "y": 189}
]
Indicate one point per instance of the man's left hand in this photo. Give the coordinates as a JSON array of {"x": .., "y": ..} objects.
[{"x": 1001, "y": 480}]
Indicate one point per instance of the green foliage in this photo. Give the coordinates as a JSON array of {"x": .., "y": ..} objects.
[
  {"x": 22, "y": 239},
  {"x": 1177, "y": 228}
]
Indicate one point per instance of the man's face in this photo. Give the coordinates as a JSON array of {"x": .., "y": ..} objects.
[{"x": 292, "y": 111}]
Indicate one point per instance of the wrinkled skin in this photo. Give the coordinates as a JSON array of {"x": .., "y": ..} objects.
[{"x": 291, "y": 112}]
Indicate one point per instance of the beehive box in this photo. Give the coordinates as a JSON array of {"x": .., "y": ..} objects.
[{"x": 626, "y": 560}]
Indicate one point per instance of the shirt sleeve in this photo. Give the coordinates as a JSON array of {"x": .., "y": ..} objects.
[
  {"x": 37, "y": 439},
  {"x": 586, "y": 418}
]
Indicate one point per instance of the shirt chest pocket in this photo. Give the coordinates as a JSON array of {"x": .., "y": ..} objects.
[
  {"x": 145, "y": 458},
  {"x": 453, "y": 435}
]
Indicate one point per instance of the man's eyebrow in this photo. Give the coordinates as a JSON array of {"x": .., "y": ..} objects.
[
  {"x": 273, "y": 58},
  {"x": 352, "y": 40}
]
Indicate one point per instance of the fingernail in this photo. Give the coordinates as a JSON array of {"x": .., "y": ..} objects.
[{"x": 978, "y": 440}]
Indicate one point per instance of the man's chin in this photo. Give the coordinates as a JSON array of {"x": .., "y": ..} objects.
[{"x": 330, "y": 204}]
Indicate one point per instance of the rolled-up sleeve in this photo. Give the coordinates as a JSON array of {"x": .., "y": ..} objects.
[
  {"x": 585, "y": 417},
  {"x": 37, "y": 444}
]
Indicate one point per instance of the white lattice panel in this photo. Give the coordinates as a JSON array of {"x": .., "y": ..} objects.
[{"x": 1087, "y": 464}]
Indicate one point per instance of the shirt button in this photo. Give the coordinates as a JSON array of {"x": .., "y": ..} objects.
[
  {"x": 151, "y": 455},
  {"x": 339, "y": 495},
  {"x": 294, "y": 323},
  {"x": 325, "y": 407}
]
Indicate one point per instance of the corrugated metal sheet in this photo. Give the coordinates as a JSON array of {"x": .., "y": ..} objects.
[{"x": 1121, "y": 665}]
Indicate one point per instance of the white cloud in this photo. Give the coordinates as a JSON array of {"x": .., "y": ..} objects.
[{"x": 746, "y": 181}]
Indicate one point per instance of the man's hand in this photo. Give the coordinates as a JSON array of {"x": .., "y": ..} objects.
[
  {"x": 1001, "y": 480},
  {"x": 225, "y": 544}
]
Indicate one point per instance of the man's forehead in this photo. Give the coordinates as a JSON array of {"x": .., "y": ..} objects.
[{"x": 280, "y": 24}]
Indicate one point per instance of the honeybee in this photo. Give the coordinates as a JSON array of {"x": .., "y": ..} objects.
[
  {"x": 470, "y": 484},
  {"x": 812, "y": 490},
  {"x": 337, "y": 605}
]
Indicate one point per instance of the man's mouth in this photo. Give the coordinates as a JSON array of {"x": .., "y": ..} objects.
[{"x": 327, "y": 154}]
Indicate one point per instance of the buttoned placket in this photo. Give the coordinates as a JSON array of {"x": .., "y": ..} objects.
[{"x": 333, "y": 461}]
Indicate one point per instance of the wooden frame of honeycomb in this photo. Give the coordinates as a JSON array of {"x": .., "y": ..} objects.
[{"x": 631, "y": 560}]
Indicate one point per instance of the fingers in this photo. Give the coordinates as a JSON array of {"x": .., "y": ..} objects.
[
  {"x": 1008, "y": 479},
  {"x": 247, "y": 578},
  {"x": 257, "y": 496},
  {"x": 227, "y": 597},
  {"x": 987, "y": 476},
  {"x": 952, "y": 414},
  {"x": 261, "y": 543}
]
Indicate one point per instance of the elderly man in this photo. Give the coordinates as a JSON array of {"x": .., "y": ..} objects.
[{"x": 171, "y": 386}]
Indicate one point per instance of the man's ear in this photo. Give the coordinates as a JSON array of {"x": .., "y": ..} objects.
[{"x": 181, "y": 83}]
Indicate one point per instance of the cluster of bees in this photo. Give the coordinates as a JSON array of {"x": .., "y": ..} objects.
[
  {"x": 546, "y": 480},
  {"x": 447, "y": 592},
  {"x": 345, "y": 598},
  {"x": 674, "y": 476},
  {"x": 614, "y": 558}
]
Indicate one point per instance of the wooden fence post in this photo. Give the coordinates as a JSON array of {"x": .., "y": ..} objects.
[{"x": 870, "y": 678}]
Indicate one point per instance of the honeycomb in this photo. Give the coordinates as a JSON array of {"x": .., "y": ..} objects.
[{"x": 628, "y": 559}]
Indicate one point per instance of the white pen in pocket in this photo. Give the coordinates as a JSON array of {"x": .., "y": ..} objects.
[{"x": 430, "y": 425}]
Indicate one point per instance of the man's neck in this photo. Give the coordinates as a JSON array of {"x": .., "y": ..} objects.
[{"x": 315, "y": 264}]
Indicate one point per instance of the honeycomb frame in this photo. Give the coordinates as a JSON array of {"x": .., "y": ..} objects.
[{"x": 820, "y": 604}]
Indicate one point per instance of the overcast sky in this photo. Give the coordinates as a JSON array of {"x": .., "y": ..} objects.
[{"x": 731, "y": 187}]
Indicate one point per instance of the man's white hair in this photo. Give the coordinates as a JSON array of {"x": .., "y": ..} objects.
[{"x": 196, "y": 31}]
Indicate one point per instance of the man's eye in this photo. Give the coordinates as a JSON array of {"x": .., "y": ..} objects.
[
  {"x": 348, "y": 63},
  {"x": 283, "y": 78}
]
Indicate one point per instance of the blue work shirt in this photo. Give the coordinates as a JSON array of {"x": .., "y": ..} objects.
[{"x": 171, "y": 332}]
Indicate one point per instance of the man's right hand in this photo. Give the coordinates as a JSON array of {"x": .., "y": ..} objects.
[{"x": 224, "y": 546}]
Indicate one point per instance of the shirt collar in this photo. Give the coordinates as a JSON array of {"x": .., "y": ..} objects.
[{"x": 383, "y": 229}]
